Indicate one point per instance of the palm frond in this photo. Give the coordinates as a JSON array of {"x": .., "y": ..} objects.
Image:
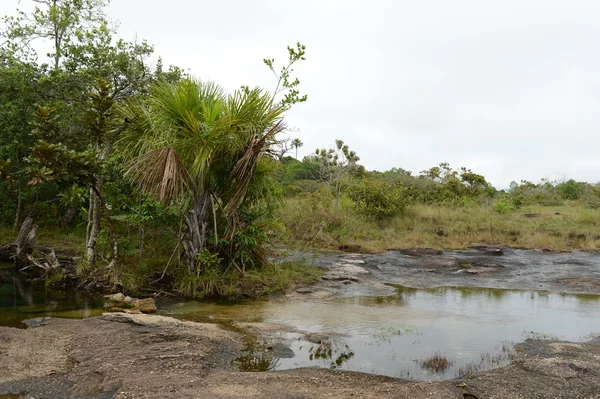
[
  {"x": 161, "y": 173},
  {"x": 244, "y": 169}
]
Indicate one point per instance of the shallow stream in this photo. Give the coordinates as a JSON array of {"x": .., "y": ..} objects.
[{"x": 472, "y": 329}]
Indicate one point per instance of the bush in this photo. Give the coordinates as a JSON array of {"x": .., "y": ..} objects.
[
  {"x": 378, "y": 200},
  {"x": 570, "y": 190},
  {"x": 206, "y": 280},
  {"x": 504, "y": 206}
]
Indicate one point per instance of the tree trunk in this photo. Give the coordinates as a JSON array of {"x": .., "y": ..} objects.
[
  {"x": 112, "y": 234},
  {"x": 94, "y": 213},
  {"x": 194, "y": 238},
  {"x": 100, "y": 205},
  {"x": 93, "y": 227},
  {"x": 141, "y": 238},
  {"x": 19, "y": 208},
  {"x": 23, "y": 245}
]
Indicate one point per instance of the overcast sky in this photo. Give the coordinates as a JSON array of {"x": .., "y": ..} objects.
[{"x": 508, "y": 88}]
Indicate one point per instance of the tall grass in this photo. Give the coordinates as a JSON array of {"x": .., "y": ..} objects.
[{"x": 322, "y": 224}]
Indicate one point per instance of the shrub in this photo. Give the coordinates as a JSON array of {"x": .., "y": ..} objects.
[
  {"x": 504, "y": 206},
  {"x": 206, "y": 280},
  {"x": 378, "y": 200},
  {"x": 570, "y": 190}
]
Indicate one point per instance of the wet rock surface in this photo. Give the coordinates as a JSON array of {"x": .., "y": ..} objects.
[
  {"x": 576, "y": 272},
  {"x": 141, "y": 358}
]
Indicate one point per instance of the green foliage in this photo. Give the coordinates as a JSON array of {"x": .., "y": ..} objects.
[
  {"x": 570, "y": 190},
  {"x": 504, "y": 206},
  {"x": 206, "y": 280},
  {"x": 285, "y": 83},
  {"x": 334, "y": 165},
  {"x": 269, "y": 279},
  {"x": 61, "y": 22},
  {"x": 56, "y": 162},
  {"x": 377, "y": 200}
]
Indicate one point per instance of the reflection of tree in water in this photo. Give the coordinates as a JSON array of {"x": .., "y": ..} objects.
[
  {"x": 336, "y": 354},
  {"x": 256, "y": 362}
]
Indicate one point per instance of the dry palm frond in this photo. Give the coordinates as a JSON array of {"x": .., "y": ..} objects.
[
  {"x": 160, "y": 172},
  {"x": 244, "y": 169}
]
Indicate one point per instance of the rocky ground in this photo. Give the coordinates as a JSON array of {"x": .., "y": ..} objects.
[
  {"x": 481, "y": 267},
  {"x": 148, "y": 356},
  {"x": 142, "y": 356}
]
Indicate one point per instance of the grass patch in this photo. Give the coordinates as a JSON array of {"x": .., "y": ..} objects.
[
  {"x": 436, "y": 364},
  {"x": 325, "y": 226},
  {"x": 271, "y": 279}
]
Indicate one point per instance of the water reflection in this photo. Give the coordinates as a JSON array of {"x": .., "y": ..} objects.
[
  {"x": 20, "y": 300},
  {"x": 330, "y": 352},
  {"x": 257, "y": 357},
  {"x": 472, "y": 328}
]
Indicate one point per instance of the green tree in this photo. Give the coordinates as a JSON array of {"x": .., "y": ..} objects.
[
  {"x": 61, "y": 22},
  {"x": 297, "y": 143},
  {"x": 570, "y": 189},
  {"x": 193, "y": 143},
  {"x": 22, "y": 86},
  {"x": 333, "y": 165}
]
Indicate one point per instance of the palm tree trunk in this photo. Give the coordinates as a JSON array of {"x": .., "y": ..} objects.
[{"x": 196, "y": 223}]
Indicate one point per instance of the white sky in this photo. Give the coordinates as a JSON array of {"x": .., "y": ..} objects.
[{"x": 509, "y": 88}]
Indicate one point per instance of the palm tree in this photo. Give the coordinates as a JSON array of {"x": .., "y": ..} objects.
[
  {"x": 193, "y": 144},
  {"x": 297, "y": 143}
]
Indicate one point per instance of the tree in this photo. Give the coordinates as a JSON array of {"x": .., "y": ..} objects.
[
  {"x": 378, "y": 200},
  {"x": 193, "y": 144},
  {"x": 61, "y": 22},
  {"x": 297, "y": 143},
  {"x": 570, "y": 189},
  {"x": 22, "y": 86},
  {"x": 475, "y": 182},
  {"x": 53, "y": 161},
  {"x": 333, "y": 165},
  {"x": 282, "y": 147}
]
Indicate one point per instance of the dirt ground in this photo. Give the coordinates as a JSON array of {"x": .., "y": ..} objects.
[{"x": 140, "y": 356}]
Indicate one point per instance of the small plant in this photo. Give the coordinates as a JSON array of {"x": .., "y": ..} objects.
[
  {"x": 206, "y": 280},
  {"x": 436, "y": 364}
]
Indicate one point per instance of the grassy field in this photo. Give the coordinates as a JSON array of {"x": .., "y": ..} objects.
[{"x": 325, "y": 226}]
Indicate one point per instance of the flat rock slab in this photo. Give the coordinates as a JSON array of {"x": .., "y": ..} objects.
[
  {"x": 344, "y": 272},
  {"x": 141, "y": 358},
  {"x": 576, "y": 272}
]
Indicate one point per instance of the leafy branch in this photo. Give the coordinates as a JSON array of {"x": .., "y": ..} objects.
[{"x": 285, "y": 83}]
